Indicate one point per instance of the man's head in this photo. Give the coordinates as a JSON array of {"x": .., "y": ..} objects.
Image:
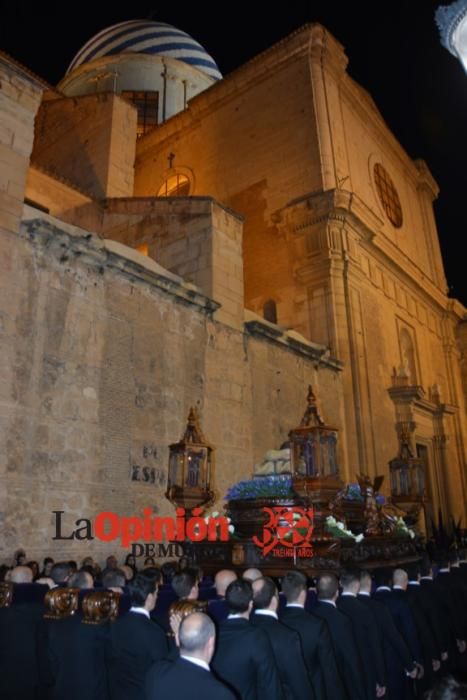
[
  {"x": 413, "y": 571},
  {"x": 20, "y": 574},
  {"x": 265, "y": 594},
  {"x": 294, "y": 587},
  {"x": 111, "y": 562},
  {"x": 251, "y": 575},
  {"x": 350, "y": 581},
  {"x": 143, "y": 592},
  {"x": 114, "y": 580},
  {"x": 197, "y": 636},
  {"x": 327, "y": 587},
  {"x": 383, "y": 577},
  {"x": 365, "y": 582},
  {"x": 168, "y": 571},
  {"x": 60, "y": 572},
  {"x": 82, "y": 579},
  {"x": 426, "y": 567},
  {"x": 185, "y": 584},
  {"x": 222, "y": 580},
  {"x": 239, "y": 597},
  {"x": 400, "y": 578}
]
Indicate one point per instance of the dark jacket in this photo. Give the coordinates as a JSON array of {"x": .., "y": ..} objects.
[
  {"x": 245, "y": 661},
  {"x": 318, "y": 652},
  {"x": 170, "y": 680},
  {"x": 136, "y": 644},
  {"x": 287, "y": 650}
]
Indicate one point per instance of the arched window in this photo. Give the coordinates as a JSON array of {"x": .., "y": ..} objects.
[
  {"x": 270, "y": 311},
  {"x": 408, "y": 355},
  {"x": 177, "y": 185}
]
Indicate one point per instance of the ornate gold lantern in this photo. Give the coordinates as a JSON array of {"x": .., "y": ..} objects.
[
  {"x": 313, "y": 456},
  {"x": 190, "y": 468}
]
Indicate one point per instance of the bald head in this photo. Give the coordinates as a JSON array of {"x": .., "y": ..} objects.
[
  {"x": 197, "y": 636},
  {"x": 400, "y": 578},
  {"x": 252, "y": 575},
  {"x": 20, "y": 574},
  {"x": 222, "y": 580}
]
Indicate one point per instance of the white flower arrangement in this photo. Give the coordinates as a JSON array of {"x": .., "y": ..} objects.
[
  {"x": 402, "y": 528},
  {"x": 337, "y": 528}
]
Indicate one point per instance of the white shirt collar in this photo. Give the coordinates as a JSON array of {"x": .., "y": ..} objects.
[
  {"x": 348, "y": 593},
  {"x": 295, "y": 605},
  {"x": 197, "y": 662},
  {"x": 236, "y": 616},
  {"x": 426, "y": 578},
  {"x": 270, "y": 613},
  {"x": 383, "y": 588},
  {"x": 325, "y": 600},
  {"x": 140, "y": 611},
  {"x": 443, "y": 571},
  {"x": 364, "y": 593},
  {"x": 398, "y": 588},
  {"x": 414, "y": 583}
]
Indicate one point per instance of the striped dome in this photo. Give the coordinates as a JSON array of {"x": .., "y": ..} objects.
[{"x": 144, "y": 36}]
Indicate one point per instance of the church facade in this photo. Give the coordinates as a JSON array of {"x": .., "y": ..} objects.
[{"x": 172, "y": 238}]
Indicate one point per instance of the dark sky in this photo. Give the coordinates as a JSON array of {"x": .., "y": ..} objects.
[{"x": 393, "y": 48}]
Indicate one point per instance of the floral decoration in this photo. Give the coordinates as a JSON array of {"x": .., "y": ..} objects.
[
  {"x": 275, "y": 486},
  {"x": 337, "y": 529}
]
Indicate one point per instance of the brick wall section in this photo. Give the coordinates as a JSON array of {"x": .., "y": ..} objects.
[{"x": 90, "y": 141}]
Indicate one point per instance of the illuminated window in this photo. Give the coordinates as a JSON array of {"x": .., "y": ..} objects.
[
  {"x": 270, "y": 311},
  {"x": 388, "y": 195},
  {"x": 143, "y": 248},
  {"x": 147, "y": 105},
  {"x": 175, "y": 186}
]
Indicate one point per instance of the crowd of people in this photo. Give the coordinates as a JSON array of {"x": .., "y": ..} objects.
[{"x": 396, "y": 634}]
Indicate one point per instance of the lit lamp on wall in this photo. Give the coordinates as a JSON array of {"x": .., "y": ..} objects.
[
  {"x": 190, "y": 468},
  {"x": 407, "y": 476},
  {"x": 313, "y": 457}
]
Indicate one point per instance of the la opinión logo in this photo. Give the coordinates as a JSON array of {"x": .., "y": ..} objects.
[
  {"x": 108, "y": 527},
  {"x": 287, "y": 532}
]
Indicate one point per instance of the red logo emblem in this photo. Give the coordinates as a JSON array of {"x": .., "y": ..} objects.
[{"x": 286, "y": 527}]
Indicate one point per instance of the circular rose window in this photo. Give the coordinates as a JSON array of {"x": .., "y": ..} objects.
[{"x": 388, "y": 195}]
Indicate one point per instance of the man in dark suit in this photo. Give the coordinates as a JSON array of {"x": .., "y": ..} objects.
[
  {"x": 400, "y": 666},
  {"x": 431, "y": 653},
  {"x": 189, "y": 675},
  {"x": 136, "y": 642},
  {"x": 428, "y": 599},
  {"x": 450, "y": 601},
  {"x": 366, "y": 634},
  {"x": 402, "y": 616},
  {"x": 285, "y": 642},
  {"x": 348, "y": 659},
  {"x": 244, "y": 658},
  {"x": 315, "y": 639}
]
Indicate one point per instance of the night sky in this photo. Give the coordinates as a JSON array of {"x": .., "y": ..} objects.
[{"x": 393, "y": 49}]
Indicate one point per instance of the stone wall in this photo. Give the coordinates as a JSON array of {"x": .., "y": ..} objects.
[
  {"x": 194, "y": 237},
  {"x": 108, "y": 352},
  {"x": 89, "y": 141}
]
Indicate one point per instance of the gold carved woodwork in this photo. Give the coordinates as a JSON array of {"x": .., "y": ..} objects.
[
  {"x": 61, "y": 603},
  {"x": 100, "y": 606}
]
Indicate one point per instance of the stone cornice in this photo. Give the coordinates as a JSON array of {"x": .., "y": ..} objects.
[
  {"x": 68, "y": 241},
  {"x": 257, "y": 326}
]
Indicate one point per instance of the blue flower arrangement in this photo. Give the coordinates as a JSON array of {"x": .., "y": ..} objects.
[{"x": 275, "y": 486}]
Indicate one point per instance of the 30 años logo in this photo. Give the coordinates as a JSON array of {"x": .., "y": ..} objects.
[{"x": 287, "y": 532}]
